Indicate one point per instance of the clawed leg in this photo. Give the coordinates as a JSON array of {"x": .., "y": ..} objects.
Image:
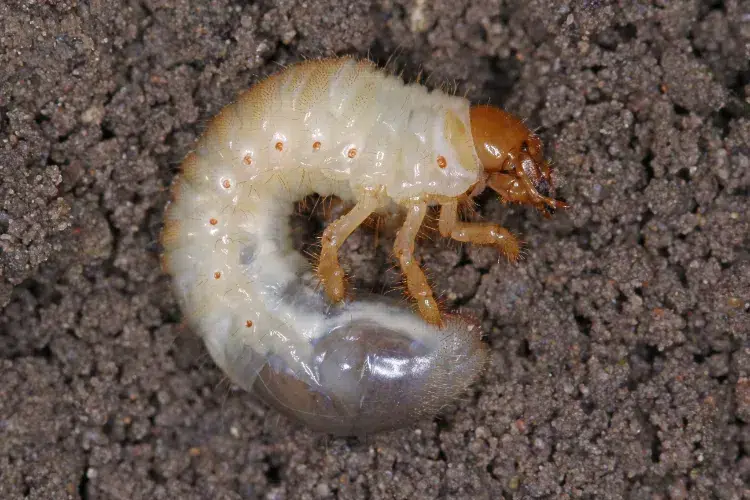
[
  {"x": 329, "y": 269},
  {"x": 481, "y": 233},
  {"x": 416, "y": 282}
]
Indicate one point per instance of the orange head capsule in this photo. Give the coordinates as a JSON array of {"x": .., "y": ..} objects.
[{"x": 513, "y": 158}]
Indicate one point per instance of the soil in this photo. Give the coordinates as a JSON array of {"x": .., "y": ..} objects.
[{"x": 621, "y": 355}]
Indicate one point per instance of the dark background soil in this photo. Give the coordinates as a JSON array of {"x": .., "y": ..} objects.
[{"x": 621, "y": 358}]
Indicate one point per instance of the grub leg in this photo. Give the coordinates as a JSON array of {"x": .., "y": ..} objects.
[
  {"x": 416, "y": 281},
  {"x": 329, "y": 270},
  {"x": 480, "y": 233}
]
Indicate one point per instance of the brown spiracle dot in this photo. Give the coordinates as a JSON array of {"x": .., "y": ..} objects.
[
  {"x": 247, "y": 160},
  {"x": 442, "y": 163},
  {"x": 316, "y": 145},
  {"x": 213, "y": 221},
  {"x": 352, "y": 153},
  {"x": 217, "y": 275},
  {"x": 226, "y": 183},
  {"x": 248, "y": 324},
  {"x": 279, "y": 146}
]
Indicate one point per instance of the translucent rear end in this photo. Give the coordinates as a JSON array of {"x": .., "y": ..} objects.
[{"x": 368, "y": 378}]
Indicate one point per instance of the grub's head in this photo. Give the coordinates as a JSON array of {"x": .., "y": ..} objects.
[{"x": 513, "y": 159}]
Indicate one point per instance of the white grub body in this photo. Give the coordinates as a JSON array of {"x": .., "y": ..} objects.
[{"x": 333, "y": 127}]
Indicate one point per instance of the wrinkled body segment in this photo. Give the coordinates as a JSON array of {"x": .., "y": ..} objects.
[{"x": 345, "y": 365}]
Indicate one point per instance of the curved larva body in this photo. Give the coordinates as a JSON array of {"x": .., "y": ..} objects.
[{"x": 333, "y": 127}]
